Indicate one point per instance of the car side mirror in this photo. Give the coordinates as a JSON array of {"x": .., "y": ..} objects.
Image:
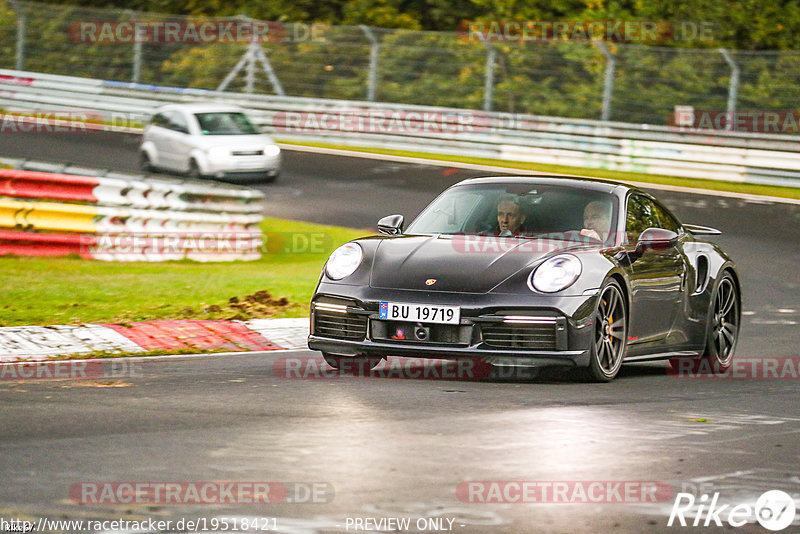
[
  {"x": 655, "y": 239},
  {"x": 391, "y": 225}
]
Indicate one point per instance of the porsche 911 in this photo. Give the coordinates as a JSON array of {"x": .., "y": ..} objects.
[{"x": 532, "y": 272}]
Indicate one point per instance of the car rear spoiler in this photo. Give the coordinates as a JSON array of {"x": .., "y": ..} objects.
[{"x": 701, "y": 230}]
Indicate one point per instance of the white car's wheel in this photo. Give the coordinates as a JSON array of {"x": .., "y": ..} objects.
[
  {"x": 194, "y": 170},
  {"x": 145, "y": 165}
]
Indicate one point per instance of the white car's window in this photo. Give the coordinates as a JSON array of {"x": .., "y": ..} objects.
[
  {"x": 178, "y": 122},
  {"x": 159, "y": 119},
  {"x": 225, "y": 123}
]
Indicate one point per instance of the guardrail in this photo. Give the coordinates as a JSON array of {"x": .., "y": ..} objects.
[
  {"x": 125, "y": 218},
  {"x": 714, "y": 154}
]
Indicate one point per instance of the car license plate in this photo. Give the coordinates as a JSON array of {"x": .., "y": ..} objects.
[{"x": 420, "y": 313}]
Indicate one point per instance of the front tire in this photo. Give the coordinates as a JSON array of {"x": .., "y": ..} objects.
[
  {"x": 610, "y": 334},
  {"x": 359, "y": 365},
  {"x": 194, "y": 170}
]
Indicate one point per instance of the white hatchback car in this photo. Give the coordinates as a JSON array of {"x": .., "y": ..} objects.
[{"x": 208, "y": 140}]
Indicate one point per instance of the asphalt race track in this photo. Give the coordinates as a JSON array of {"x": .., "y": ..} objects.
[{"x": 411, "y": 443}]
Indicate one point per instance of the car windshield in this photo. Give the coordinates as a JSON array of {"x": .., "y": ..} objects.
[
  {"x": 225, "y": 123},
  {"x": 520, "y": 210}
]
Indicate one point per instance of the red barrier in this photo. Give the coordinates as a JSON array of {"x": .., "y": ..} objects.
[
  {"x": 45, "y": 185},
  {"x": 203, "y": 334},
  {"x": 30, "y": 244}
]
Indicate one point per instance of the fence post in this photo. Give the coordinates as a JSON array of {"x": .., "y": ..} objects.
[
  {"x": 19, "y": 64},
  {"x": 136, "y": 71},
  {"x": 374, "y": 50},
  {"x": 488, "y": 83},
  {"x": 137, "y": 61},
  {"x": 250, "y": 68},
  {"x": 608, "y": 84},
  {"x": 733, "y": 88}
]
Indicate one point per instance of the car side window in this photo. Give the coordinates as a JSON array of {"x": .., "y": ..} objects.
[
  {"x": 666, "y": 220},
  {"x": 642, "y": 214},
  {"x": 159, "y": 120},
  {"x": 178, "y": 123}
]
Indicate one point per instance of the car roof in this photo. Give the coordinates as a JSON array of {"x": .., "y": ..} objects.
[
  {"x": 200, "y": 108},
  {"x": 591, "y": 184}
]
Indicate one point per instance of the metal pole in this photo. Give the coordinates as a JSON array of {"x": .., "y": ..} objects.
[
  {"x": 374, "y": 50},
  {"x": 608, "y": 84},
  {"x": 267, "y": 66},
  {"x": 136, "y": 71},
  {"x": 232, "y": 74},
  {"x": 21, "y": 27},
  {"x": 250, "y": 72},
  {"x": 733, "y": 88},
  {"x": 488, "y": 83},
  {"x": 137, "y": 62}
]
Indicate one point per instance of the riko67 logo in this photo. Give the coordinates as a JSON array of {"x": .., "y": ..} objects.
[{"x": 774, "y": 510}]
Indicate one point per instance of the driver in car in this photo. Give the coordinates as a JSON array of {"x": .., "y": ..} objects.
[
  {"x": 509, "y": 216},
  {"x": 596, "y": 220}
]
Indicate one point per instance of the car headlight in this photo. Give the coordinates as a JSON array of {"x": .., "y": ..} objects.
[
  {"x": 344, "y": 261},
  {"x": 272, "y": 150},
  {"x": 555, "y": 274},
  {"x": 218, "y": 152}
]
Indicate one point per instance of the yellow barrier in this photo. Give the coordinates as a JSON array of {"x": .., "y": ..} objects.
[
  {"x": 11, "y": 212},
  {"x": 61, "y": 217}
]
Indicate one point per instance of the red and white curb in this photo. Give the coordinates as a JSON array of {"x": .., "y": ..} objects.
[{"x": 42, "y": 342}]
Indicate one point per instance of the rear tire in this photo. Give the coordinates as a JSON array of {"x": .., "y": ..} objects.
[
  {"x": 358, "y": 365},
  {"x": 144, "y": 162},
  {"x": 722, "y": 333},
  {"x": 610, "y": 336}
]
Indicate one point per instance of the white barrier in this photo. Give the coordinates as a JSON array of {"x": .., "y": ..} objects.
[{"x": 717, "y": 155}]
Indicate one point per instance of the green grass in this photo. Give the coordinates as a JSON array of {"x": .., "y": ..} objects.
[
  {"x": 752, "y": 189},
  {"x": 71, "y": 290}
]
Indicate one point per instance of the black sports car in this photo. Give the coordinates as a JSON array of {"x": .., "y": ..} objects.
[{"x": 531, "y": 271}]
